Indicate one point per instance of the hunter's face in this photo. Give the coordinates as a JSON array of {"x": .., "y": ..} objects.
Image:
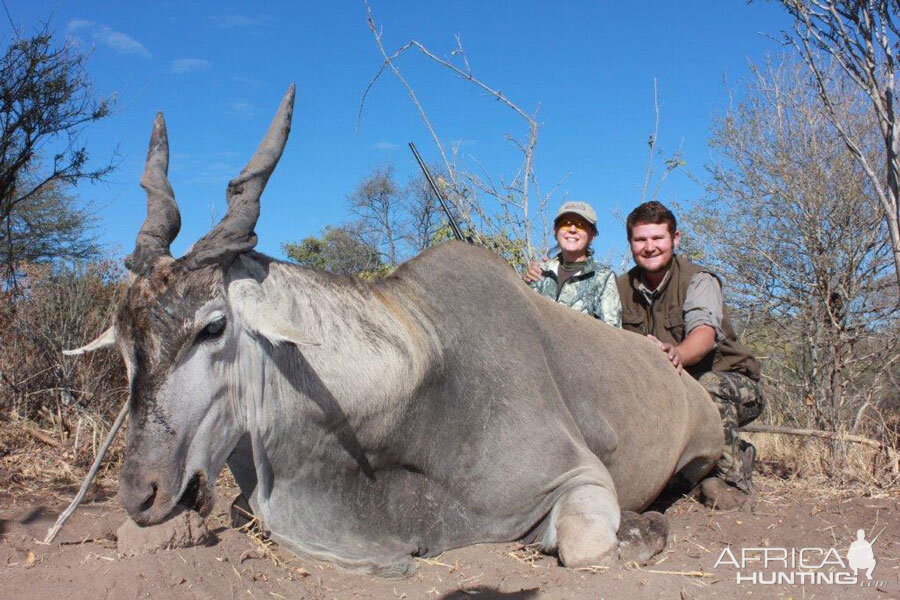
[
  {"x": 652, "y": 246},
  {"x": 573, "y": 234}
]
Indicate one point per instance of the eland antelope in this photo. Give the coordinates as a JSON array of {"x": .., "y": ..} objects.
[{"x": 368, "y": 423}]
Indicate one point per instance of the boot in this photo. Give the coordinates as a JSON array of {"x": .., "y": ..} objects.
[{"x": 719, "y": 495}]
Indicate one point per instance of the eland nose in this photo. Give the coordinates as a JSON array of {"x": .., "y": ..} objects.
[{"x": 136, "y": 494}]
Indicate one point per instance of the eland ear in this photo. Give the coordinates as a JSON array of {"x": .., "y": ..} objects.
[
  {"x": 268, "y": 323},
  {"x": 261, "y": 317},
  {"x": 104, "y": 340}
]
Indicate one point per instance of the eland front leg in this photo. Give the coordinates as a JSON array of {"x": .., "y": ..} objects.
[
  {"x": 587, "y": 528},
  {"x": 586, "y": 521}
]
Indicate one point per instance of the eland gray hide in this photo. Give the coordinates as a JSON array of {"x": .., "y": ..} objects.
[{"x": 367, "y": 423}]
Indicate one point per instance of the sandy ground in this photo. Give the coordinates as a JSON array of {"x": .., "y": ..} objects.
[{"x": 83, "y": 563}]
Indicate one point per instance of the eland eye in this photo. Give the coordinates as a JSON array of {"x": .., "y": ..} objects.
[{"x": 213, "y": 330}]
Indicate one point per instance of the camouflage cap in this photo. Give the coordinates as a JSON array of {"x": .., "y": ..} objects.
[{"x": 582, "y": 209}]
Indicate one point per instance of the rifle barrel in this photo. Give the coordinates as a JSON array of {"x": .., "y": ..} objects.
[{"x": 457, "y": 232}]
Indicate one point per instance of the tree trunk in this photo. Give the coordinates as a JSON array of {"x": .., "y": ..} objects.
[
  {"x": 895, "y": 237},
  {"x": 893, "y": 184}
]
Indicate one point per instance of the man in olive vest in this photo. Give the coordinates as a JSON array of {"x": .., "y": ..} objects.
[{"x": 680, "y": 306}]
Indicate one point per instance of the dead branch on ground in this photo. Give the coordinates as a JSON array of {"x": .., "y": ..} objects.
[{"x": 829, "y": 435}]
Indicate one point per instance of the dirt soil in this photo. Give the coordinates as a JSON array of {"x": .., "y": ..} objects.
[{"x": 83, "y": 563}]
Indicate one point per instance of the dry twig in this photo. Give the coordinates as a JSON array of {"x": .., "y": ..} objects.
[
  {"x": 699, "y": 574},
  {"x": 51, "y": 533},
  {"x": 41, "y": 437}
]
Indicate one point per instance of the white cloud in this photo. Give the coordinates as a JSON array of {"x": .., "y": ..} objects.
[
  {"x": 76, "y": 24},
  {"x": 240, "y": 108},
  {"x": 121, "y": 42},
  {"x": 237, "y": 21},
  {"x": 189, "y": 65},
  {"x": 384, "y": 146},
  {"x": 109, "y": 37}
]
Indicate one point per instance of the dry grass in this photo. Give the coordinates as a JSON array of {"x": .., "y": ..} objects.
[
  {"x": 825, "y": 468},
  {"x": 263, "y": 546},
  {"x": 527, "y": 555},
  {"x": 60, "y": 309},
  {"x": 33, "y": 468}
]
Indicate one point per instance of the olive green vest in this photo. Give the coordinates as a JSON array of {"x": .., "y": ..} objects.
[{"x": 664, "y": 319}]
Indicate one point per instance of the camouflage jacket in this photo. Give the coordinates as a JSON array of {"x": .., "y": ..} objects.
[{"x": 592, "y": 291}]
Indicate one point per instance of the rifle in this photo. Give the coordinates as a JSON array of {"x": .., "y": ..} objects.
[{"x": 457, "y": 232}]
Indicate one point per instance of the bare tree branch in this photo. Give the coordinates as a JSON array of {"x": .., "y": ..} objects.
[
  {"x": 861, "y": 36},
  {"x": 504, "y": 214}
]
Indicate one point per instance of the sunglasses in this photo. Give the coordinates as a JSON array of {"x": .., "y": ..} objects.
[{"x": 579, "y": 224}]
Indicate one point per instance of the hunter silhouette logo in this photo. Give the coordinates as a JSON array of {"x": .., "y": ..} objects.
[{"x": 860, "y": 556}]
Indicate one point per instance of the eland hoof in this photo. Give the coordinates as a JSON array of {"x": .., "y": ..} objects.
[
  {"x": 642, "y": 536},
  {"x": 719, "y": 495}
]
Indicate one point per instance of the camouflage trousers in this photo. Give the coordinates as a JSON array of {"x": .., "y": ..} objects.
[{"x": 740, "y": 401}]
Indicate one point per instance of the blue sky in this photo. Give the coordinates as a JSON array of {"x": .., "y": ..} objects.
[{"x": 218, "y": 70}]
